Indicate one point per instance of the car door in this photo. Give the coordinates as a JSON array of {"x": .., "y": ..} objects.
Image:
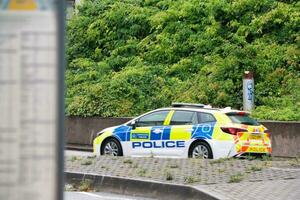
[
  {"x": 148, "y": 131},
  {"x": 205, "y": 126},
  {"x": 182, "y": 126}
]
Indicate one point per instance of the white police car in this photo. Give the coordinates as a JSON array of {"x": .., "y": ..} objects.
[{"x": 186, "y": 130}]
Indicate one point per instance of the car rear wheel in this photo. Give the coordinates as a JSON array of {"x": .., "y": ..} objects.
[
  {"x": 112, "y": 147},
  {"x": 201, "y": 150}
]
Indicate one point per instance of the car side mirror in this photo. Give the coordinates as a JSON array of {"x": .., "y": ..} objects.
[{"x": 133, "y": 125}]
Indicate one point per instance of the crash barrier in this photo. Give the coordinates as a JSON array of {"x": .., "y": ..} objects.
[{"x": 80, "y": 131}]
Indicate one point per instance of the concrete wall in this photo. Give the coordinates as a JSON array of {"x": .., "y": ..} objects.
[
  {"x": 285, "y": 137},
  {"x": 81, "y": 131}
]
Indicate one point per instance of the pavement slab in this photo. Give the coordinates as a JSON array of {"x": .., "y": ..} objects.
[
  {"x": 226, "y": 178},
  {"x": 184, "y": 171},
  {"x": 264, "y": 190}
]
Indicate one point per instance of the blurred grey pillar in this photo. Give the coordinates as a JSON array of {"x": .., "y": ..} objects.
[
  {"x": 248, "y": 91},
  {"x": 31, "y": 99}
]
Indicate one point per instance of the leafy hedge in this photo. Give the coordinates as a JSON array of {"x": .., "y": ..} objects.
[{"x": 126, "y": 57}]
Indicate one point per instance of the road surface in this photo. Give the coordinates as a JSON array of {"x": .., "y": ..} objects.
[
  {"x": 78, "y": 153},
  {"x": 98, "y": 196}
]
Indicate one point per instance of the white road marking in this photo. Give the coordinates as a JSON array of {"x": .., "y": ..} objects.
[
  {"x": 78, "y": 153},
  {"x": 101, "y": 196}
]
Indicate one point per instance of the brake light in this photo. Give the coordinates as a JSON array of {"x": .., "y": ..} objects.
[
  {"x": 242, "y": 113},
  {"x": 233, "y": 130},
  {"x": 267, "y": 132}
]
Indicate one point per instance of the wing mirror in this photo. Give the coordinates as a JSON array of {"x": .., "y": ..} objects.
[{"x": 133, "y": 125}]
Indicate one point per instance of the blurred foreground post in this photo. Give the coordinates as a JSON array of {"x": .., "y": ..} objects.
[{"x": 31, "y": 100}]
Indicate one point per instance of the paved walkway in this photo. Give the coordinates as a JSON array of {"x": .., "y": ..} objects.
[
  {"x": 227, "y": 179},
  {"x": 265, "y": 190}
]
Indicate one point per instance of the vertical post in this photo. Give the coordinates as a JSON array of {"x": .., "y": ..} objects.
[
  {"x": 248, "y": 91},
  {"x": 60, "y": 139},
  {"x": 31, "y": 99}
]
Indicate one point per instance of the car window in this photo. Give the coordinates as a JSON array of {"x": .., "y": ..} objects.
[
  {"x": 206, "y": 117},
  {"x": 153, "y": 119},
  {"x": 242, "y": 119},
  {"x": 181, "y": 117}
]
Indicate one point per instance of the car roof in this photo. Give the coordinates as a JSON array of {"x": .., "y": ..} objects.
[
  {"x": 190, "y": 109},
  {"x": 196, "y": 109},
  {"x": 206, "y": 110}
]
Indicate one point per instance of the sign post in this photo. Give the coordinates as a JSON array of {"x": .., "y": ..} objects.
[{"x": 248, "y": 91}]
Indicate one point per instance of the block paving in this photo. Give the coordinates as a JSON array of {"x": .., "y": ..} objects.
[{"x": 226, "y": 178}]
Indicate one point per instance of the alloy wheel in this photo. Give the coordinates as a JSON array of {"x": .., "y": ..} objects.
[
  {"x": 200, "y": 151},
  {"x": 111, "y": 148}
]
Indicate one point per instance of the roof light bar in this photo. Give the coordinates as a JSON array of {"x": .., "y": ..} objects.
[{"x": 188, "y": 105}]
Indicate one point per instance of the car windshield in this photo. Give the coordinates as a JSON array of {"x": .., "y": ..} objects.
[{"x": 242, "y": 118}]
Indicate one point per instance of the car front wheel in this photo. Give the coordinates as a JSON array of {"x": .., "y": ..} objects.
[{"x": 112, "y": 147}]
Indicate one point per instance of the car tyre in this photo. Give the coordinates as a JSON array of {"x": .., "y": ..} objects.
[
  {"x": 201, "y": 150},
  {"x": 111, "y": 147}
]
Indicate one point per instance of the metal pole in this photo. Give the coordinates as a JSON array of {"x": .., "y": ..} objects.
[{"x": 60, "y": 139}]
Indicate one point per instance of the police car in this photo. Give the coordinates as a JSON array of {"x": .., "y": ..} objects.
[{"x": 186, "y": 130}]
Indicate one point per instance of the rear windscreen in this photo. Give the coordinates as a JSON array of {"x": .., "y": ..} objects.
[{"x": 242, "y": 119}]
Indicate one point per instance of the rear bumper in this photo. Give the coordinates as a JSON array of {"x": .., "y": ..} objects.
[
  {"x": 227, "y": 149},
  {"x": 245, "y": 155},
  {"x": 254, "y": 148}
]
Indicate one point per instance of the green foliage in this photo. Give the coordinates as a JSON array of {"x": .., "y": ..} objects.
[
  {"x": 236, "y": 178},
  {"x": 127, "y": 57},
  {"x": 255, "y": 168},
  {"x": 168, "y": 175},
  {"x": 85, "y": 185},
  {"x": 190, "y": 179},
  {"x": 128, "y": 161},
  {"x": 142, "y": 172}
]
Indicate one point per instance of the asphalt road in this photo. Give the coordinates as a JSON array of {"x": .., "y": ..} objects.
[
  {"x": 78, "y": 153},
  {"x": 98, "y": 196}
]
